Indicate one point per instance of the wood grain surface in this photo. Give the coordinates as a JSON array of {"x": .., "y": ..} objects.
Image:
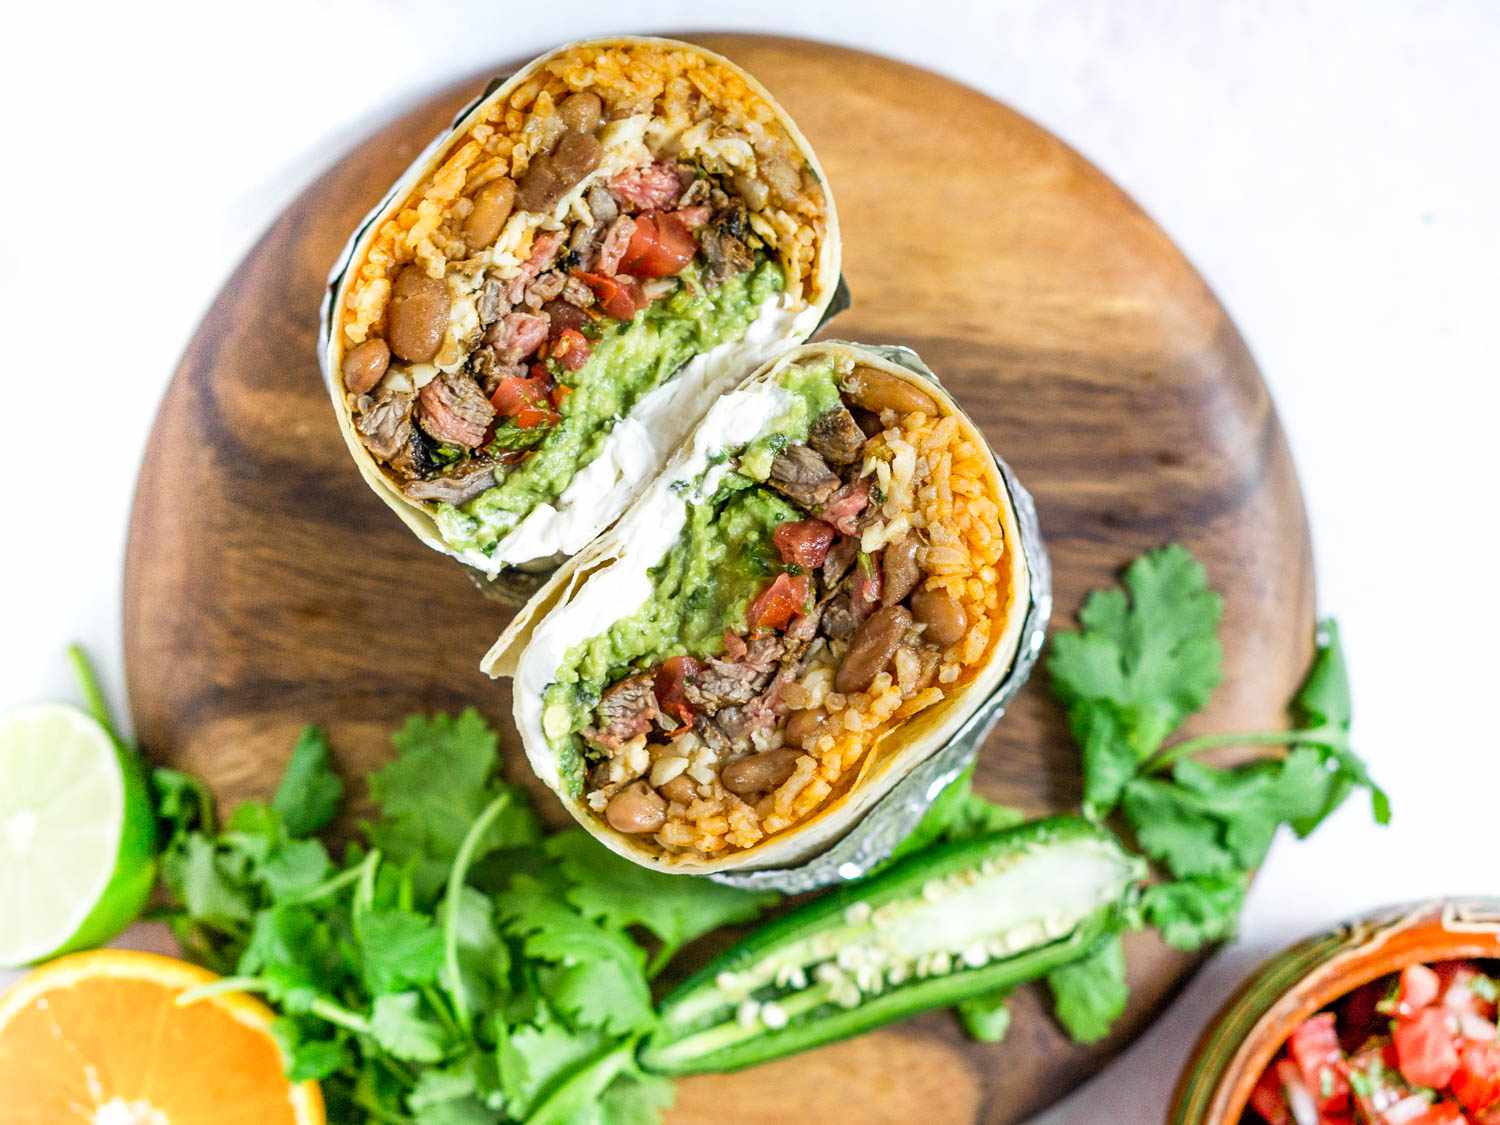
[{"x": 267, "y": 587}]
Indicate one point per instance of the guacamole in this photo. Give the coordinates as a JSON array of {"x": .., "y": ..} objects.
[{"x": 629, "y": 360}]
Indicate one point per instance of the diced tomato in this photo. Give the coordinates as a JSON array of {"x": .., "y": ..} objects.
[
  {"x": 1419, "y": 987},
  {"x": 660, "y": 246},
  {"x": 571, "y": 349},
  {"x": 671, "y": 687},
  {"x": 1476, "y": 1082},
  {"x": 1459, "y": 981},
  {"x": 1268, "y": 1099},
  {"x": 1425, "y": 1049},
  {"x": 560, "y": 395},
  {"x": 619, "y": 299},
  {"x": 1299, "y": 1100},
  {"x": 1444, "y": 1113},
  {"x": 524, "y": 401},
  {"x": 864, "y": 587},
  {"x": 804, "y": 542},
  {"x": 782, "y": 600},
  {"x": 1314, "y": 1047}
]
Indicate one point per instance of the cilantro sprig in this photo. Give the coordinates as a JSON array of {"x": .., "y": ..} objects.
[
  {"x": 1146, "y": 658},
  {"x": 454, "y": 966}
]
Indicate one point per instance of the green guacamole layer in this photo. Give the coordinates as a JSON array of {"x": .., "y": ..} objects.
[
  {"x": 722, "y": 560},
  {"x": 628, "y": 361}
]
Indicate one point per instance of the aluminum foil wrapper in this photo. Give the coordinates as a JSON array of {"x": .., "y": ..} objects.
[
  {"x": 514, "y": 586},
  {"x": 894, "y": 817}
]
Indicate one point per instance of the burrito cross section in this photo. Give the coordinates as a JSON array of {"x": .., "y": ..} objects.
[
  {"x": 821, "y": 585},
  {"x": 618, "y": 234}
]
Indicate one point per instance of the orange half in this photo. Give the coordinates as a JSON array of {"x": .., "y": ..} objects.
[{"x": 99, "y": 1038}]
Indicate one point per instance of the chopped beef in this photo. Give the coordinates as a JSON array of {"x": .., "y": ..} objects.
[
  {"x": 649, "y": 187},
  {"x": 453, "y": 409},
  {"x": 459, "y": 486},
  {"x": 563, "y": 316},
  {"x": 868, "y": 421},
  {"x": 844, "y": 507},
  {"x": 804, "y": 627},
  {"x": 417, "y": 457},
  {"x": 492, "y": 304},
  {"x": 625, "y": 710},
  {"x": 696, "y": 192},
  {"x": 725, "y": 255},
  {"x": 583, "y": 245},
  {"x": 547, "y": 287},
  {"x": 839, "y": 619},
  {"x": 693, "y": 217},
  {"x": 544, "y": 248},
  {"x": 837, "y": 436},
  {"x": 616, "y": 240},
  {"x": 517, "y": 336},
  {"x": 718, "y": 683},
  {"x": 840, "y": 558},
  {"x": 799, "y": 474},
  {"x": 576, "y": 293},
  {"x": 385, "y": 425}
]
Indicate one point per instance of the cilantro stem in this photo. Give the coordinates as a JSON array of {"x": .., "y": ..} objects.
[
  {"x": 337, "y": 883},
  {"x": 456, "y": 876},
  {"x": 1328, "y": 736},
  {"x": 325, "y": 1010},
  {"x": 93, "y": 694}
]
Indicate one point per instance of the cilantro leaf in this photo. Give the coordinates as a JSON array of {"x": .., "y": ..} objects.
[
  {"x": 636, "y": 1098},
  {"x": 438, "y": 784},
  {"x": 310, "y": 792},
  {"x": 1324, "y": 702},
  {"x": 399, "y": 1026},
  {"x": 985, "y": 1018},
  {"x": 534, "y": 1057},
  {"x": 398, "y": 950},
  {"x": 1089, "y": 995},
  {"x": 615, "y": 892},
  {"x": 183, "y": 803},
  {"x": 1109, "y": 761},
  {"x": 483, "y": 958},
  {"x": 1193, "y": 912},
  {"x": 295, "y": 866},
  {"x": 293, "y": 953},
  {"x": 598, "y": 979},
  {"x": 1154, "y": 656},
  {"x": 307, "y": 1057}
]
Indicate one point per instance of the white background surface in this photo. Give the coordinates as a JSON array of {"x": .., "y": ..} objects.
[{"x": 1331, "y": 169}]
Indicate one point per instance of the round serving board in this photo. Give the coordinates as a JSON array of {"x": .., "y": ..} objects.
[{"x": 267, "y": 587}]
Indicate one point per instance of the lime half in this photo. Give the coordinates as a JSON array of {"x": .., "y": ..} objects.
[{"x": 77, "y": 834}]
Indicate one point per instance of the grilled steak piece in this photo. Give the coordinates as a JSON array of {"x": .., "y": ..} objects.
[
  {"x": 492, "y": 304},
  {"x": 837, "y": 436},
  {"x": 840, "y": 558},
  {"x": 385, "y": 425},
  {"x": 719, "y": 683},
  {"x": 545, "y": 288},
  {"x": 612, "y": 249},
  {"x": 459, "y": 486},
  {"x": 799, "y": 474},
  {"x": 844, "y": 509},
  {"x": 518, "y": 335},
  {"x": 452, "y": 408},
  {"x": 624, "y": 711}
]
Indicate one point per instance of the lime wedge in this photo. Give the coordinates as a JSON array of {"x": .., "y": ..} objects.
[{"x": 76, "y": 833}]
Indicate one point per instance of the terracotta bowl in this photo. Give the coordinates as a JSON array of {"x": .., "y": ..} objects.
[{"x": 1309, "y": 976}]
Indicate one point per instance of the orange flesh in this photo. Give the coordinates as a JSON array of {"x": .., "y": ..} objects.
[{"x": 103, "y": 1030}]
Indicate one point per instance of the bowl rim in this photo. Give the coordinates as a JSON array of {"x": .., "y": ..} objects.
[{"x": 1241, "y": 1040}]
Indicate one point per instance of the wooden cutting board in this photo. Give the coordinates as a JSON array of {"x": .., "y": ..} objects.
[{"x": 267, "y": 587}]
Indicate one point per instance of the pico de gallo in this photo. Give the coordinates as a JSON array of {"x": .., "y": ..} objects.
[{"x": 1416, "y": 1048}]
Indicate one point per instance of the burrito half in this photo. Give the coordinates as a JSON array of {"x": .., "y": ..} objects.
[
  {"x": 561, "y": 285},
  {"x": 823, "y": 584}
]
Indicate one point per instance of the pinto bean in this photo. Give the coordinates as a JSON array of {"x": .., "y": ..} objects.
[
  {"x": 899, "y": 570},
  {"x": 802, "y": 724},
  {"x": 493, "y": 204},
  {"x": 575, "y": 156},
  {"x": 945, "y": 619},
  {"x": 418, "y": 314},
  {"x": 880, "y": 390},
  {"x": 365, "y": 364},
  {"x": 872, "y": 647},
  {"x": 582, "y": 112},
  {"x": 759, "y": 773},
  {"x": 636, "y": 809},
  {"x": 680, "y": 789},
  {"x": 540, "y": 188}
]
